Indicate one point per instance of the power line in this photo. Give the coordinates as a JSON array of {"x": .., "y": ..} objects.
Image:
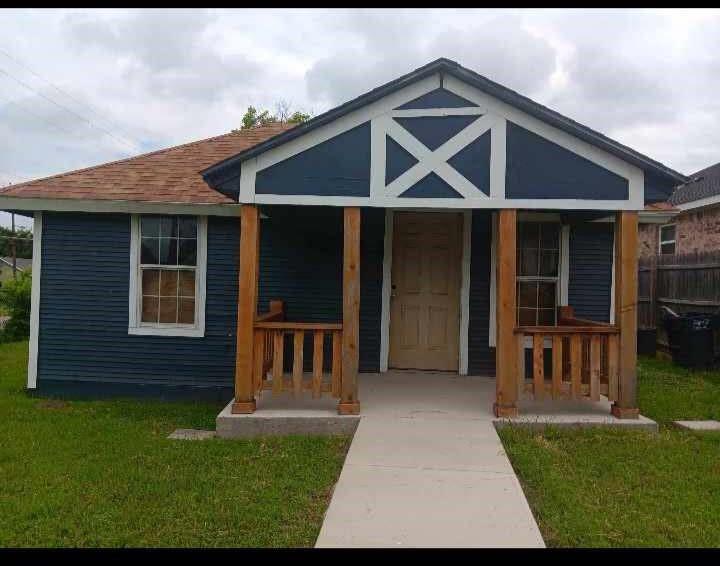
[
  {"x": 83, "y": 118},
  {"x": 39, "y": 117},
  {"x": 65, "y": 93}
]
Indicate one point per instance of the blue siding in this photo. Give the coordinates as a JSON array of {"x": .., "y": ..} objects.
[
  {"x": 431, "y": 186},
  {"x": 540, "y": 169},
  {"x": 84, "y": 311},
  {"x": 473, "y": 162},
  {"x": 481, "y": 358},
  {"x": 339, "y": 166},
  {"x": 433, "y": 131},
  {"x": 438, "y": 98},
  {"x": 590, "y": 281},
  {"x": 397, "y": 160}
]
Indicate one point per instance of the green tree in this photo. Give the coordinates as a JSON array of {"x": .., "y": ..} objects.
[
  {"x": 253, "y": 118},
  {"x": 23, "y": 242},
  {"x": 15, "y": 301}
]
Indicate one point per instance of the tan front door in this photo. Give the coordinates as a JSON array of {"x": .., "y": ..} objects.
[{"x": 425, "y": 290}]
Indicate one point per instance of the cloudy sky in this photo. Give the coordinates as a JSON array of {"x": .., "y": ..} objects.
[{"x": 81, "y": 87}]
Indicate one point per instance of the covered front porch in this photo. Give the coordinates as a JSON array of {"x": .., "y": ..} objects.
[{"x": 313, "y": 366}]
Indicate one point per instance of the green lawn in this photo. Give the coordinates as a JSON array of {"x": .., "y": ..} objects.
[
  {"x": 600, "y": 488},
  {"x": 103, "y": 473}
]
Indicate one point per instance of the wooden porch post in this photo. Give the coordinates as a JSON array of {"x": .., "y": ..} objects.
[
  {"x": 506, "y": 348},
  {"x": 626, "y": 290},
  {"x": 349, "y": 404},
  {"x": 247, "y": 307}
]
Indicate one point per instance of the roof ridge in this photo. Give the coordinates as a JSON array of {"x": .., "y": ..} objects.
[{"x": 148, "y": 154}]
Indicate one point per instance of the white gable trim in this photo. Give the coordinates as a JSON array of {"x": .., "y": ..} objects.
[{"x": 35, "y": 302}]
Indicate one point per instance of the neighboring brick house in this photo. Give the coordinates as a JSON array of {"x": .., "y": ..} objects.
[{"x": 694, "y": 221}]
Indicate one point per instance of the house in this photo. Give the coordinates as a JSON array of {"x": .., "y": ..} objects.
[
  {"x": 694, "y": 225},
  {"x": 439, "y": 222},
  {"x": 6, "y": 267}
]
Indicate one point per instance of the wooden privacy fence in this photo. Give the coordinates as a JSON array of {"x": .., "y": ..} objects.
[
  {"x": 270, "y": 334},
  {"x": 687, "y": 282},
  {"x": 583, "y": 360}
]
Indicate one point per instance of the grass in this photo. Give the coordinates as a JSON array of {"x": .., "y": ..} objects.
[
  {"x": 103, "y": 473},
  {"x": 609, "y": 488}
]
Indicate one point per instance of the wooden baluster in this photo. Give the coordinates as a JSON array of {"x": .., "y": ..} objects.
[
  {"x": 612, "y": 367},
  {"x": 317, "y": 363},
  {"x": 538, "y": 366},
  {"x": 520, "y": 364},
  {"x": 299, "y": 342},
  {"x": 259, "y": 360},
  {"x": 336, "y": 362},
  {"x": 557, "y": 366},
  {"x": 595, "y": 367},
  {"x": 576, "y": 366},
  {"x": 277, "y": 367}
]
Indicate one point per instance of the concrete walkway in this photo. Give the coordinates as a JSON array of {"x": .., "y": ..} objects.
[{"x": 426, "y": 468}]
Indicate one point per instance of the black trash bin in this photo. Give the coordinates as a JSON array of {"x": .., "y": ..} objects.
[{"x": 691, "y": 338}]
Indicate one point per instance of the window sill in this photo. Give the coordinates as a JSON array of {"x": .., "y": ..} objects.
[{"x": 166, "y": 331}]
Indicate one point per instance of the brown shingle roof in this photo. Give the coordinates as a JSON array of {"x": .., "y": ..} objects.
[{"x": 167, "y": 175}]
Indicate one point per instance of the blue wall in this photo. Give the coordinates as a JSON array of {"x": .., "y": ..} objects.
[
  {"x": 84, "y": 314},
  {"x": 481, "y": 358},
  {"x": 590, "y": 282}
]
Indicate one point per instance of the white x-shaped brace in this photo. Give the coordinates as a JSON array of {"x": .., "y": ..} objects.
[{"x": 436, "y": 161}]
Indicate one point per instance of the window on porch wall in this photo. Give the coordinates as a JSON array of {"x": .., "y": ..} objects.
[{"x": 538, "y": 260}]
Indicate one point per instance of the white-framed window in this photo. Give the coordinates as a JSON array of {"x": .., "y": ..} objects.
[
  {"x": 538, "y": 273},
  {"x": 667, "y": 239},
  {"x": 168, "y": 265}
]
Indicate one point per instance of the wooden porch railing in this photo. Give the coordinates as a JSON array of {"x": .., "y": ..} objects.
[
  {"x": 270, "y": 330},
  {"x": 584, "y": 359}
]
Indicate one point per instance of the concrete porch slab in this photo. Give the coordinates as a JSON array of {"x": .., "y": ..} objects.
[
  {"x": 572, "y": 414},
  {"x": 699, "y": 425},
  {"x": 191, "y": 434},
  {"x": 283, "y": 415}
]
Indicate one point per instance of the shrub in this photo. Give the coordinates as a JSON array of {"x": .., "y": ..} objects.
[{"x": 15, "y": 300}]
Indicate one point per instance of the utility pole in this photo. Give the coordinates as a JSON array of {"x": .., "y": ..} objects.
[{"x": 13, "y": 247}]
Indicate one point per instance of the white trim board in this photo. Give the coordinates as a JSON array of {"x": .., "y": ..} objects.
[
  {"x": 35, "y": 302},
  {"x": 134, "y": 296},
  {"x": 463, "y": 330}
]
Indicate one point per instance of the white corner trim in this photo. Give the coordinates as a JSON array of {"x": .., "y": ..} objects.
[
  {"x": 465, "y": 292},
  {"x": 35, "y": 302},
  {"x": 493, "y": 279},
  {"x": 564, "y": 265},
  {"x": 134, "y": 298},
  {"x": 386, "y": 290}
]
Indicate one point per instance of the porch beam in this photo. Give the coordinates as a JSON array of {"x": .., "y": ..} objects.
[
  {"x": 349, "y": 403},
  {"x": 506, "y": 350},
  {"x": 626, "y": 284},
  {"x": 247, "y": 308}
]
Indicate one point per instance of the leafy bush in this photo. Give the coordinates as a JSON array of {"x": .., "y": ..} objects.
[{"x": 15, "y": 300}]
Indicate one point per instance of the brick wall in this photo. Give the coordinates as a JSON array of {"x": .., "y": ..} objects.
[
  {"x": 696, "y": 231},
  {"x": 648, "y": 239}
]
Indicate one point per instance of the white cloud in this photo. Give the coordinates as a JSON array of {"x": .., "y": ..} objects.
[{"x": 155, "y": 78}]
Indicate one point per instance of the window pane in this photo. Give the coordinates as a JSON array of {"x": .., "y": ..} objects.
[
  {"x": 546, "y": 317},
  {"x": 168, "y": 310},
  {"x": 187, "y": 311},
  {"x": 528, "y": 235},
  {"x": 526, "y": 317},
  {"x": 527, "y": 294},
  {"x": 187, "y": 226},
  {"x": 550, "y": 235},
  {"x": 149, "y": 251},
  {"x": 546, "y": 293},
  {"x": 168, "y": 251},
  {"x": 548, "y": 263},
  {"x": 168, "y": 283},
  {"x": 168, "y": 226},
  {"x": 667, "y": 233},
  {"x": 528, "y": 262},
  {"x": 188, "y": 253},
  {"x": 187, "y": 283},
  {"x": 150, "y": 226},
  {"x": 150, "y": 282},
  {"x": 667, "y": 248},
  {"x": 150, "y": 309}
]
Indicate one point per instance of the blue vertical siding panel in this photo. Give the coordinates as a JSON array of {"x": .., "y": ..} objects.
[
  {"x": 481, "y": 358},
  {"x": 590, "y": 277},
  {"x": 84, "y": 310}
]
